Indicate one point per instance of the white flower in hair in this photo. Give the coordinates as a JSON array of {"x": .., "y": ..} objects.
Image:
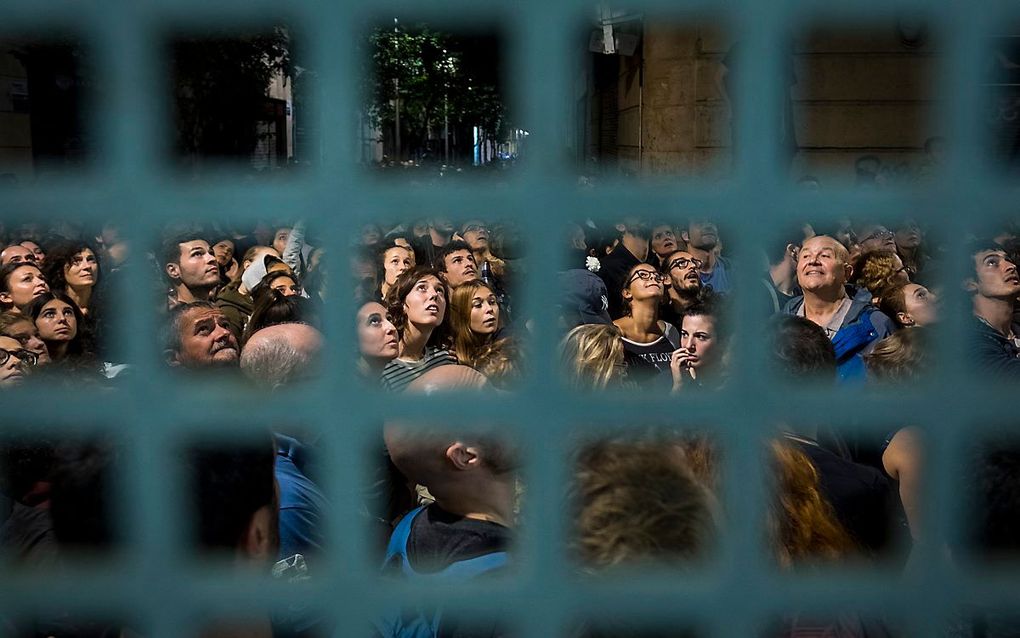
[{"x": 592, "y": 264}]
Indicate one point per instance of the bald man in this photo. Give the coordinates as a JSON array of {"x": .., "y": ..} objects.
[
  {"x": 853, "y": 326},
  {"x": 281, "y": 355}
]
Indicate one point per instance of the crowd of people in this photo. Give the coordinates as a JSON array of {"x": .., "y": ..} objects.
[{"x": 644, "y": 305}]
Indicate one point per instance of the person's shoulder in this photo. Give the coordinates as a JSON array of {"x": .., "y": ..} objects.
[{"x": 792, "y": 306}]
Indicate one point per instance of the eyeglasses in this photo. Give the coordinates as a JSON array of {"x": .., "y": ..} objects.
[
  {"x": 26, "y": 357},
  {"x": 645, "y": 275},
  {"x": 683, "y": 262},
  {"x": 474, "y": 228},
  {"x": 879, "y": 234}
]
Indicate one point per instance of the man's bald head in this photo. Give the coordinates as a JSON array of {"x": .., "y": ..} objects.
[{"x": 282, "y": 354}]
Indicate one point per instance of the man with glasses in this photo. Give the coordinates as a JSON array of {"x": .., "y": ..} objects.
[
  {"x": 994, "y": 289},
  {"x": 876, "y": 237},
  {"x": 14, "y": 362},
  {"x": 853, "y": 326},
  {"x": 685, "y": 289}
]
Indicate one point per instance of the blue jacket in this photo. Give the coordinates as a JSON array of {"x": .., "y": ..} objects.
[{"x": 863, "y": 326}]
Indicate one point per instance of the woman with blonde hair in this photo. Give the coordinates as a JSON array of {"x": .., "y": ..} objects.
[
  {"x": 475, "y": 323},
  {"x": 592, "y": 357}
]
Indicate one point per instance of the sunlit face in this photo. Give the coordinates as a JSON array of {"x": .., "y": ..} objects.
[
  {"x": 28, "y": 336},
  {"x": 821, "y": 264},
  {"x": 83, "y": 270},
  {"x": 460, "y": 267},
  {"x": 206, "y": 340},
  {"x": 921, "y": 305},
  {"x": 17, "y": 255},
  {"x": 56, "y": 322},
  {"x": 40, "y": 255},
  {"x": 425, "y": 305},
  {"x": 663, "y": 241},
  {"x": 683, "y": 271},
  {"x": 484, "y": 312},
  {"x": 224, "y": 251},
  {"x": 280, "y": 238},
  {"x": 196, "y": 267},
  {"x": 645, "y": 282},
  {"x": 377, "y": 336},
  {"x": 24, "y": 284},
  {"x": 12, "y": 372},
  {"x": 476, "y": 234},
  {"x": 996, "y": 275},
  {"x": 396, "y": 261},
  {"x": 698, "y": 336},
  {"x": 286, "y": 286}
]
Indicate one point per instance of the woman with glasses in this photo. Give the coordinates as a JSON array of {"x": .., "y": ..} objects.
[
  {"x": 648, "y": 342},
  {"x": 14, "y": 362},
  {"x": 22, "y": 328}
]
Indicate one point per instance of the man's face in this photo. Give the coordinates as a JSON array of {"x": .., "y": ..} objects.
[
  {"x": 995, "y": 276},
  {"x": 206, "y": 340},
  {"x": 442, "y": 225},
  {"x": 476, "y": 234},
  {"x": 17, "y": 254},
  {"x": 12, "y": 370},
  {"x": 460, "y": 267},
  {"x": 876, "y": 237},
  {"x": 197, "y": 267},
  {"x": 683, "y": 271},
  {"x": 703, "y": 235},
  {"x": 822, "y": 265},
  {"x": 28, "y": 336}
]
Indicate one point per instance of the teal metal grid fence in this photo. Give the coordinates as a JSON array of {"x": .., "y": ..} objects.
[{"x": 153, "y": 585}]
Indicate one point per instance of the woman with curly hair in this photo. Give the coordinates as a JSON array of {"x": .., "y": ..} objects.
[
  {"x": 73, "y": 268},
  {"x": 417, "y": 303},
  {"x": 878, "y": 269}
]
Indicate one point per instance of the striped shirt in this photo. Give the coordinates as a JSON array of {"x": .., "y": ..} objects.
[{"x": 399, "y": 373}]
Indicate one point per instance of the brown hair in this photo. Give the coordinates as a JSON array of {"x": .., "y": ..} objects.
[
  {"x": 803, "y": 526},
  {"x": 640, "y": 501},
  {"x": 398, "y": 293},
  {"x": 875, "y": 270},
  {"x": 467, "y": 344}
]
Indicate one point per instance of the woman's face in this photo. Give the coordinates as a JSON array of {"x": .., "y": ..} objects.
[
  {"x": 697, "y": 336},
  {"x": 484, "y": 312},
  {"x": 377, "y": 336},
  {"x": 663, "y": 241},
  {"x": 56, "y": 322},
  {"x": 40, "y": 255},
  {"x": 28, "y": 336},
  {"x": 645, "y": 282},
  {"x": 921, "y": 304},
  {"x": 25, "y": 284},
  {"x": 286, "y": 286},
  {"x": 83, "y": 270},
  {"x": 224, "y": 251},
  {"x": 425, "y": 305},
  {"x": 901, "y": 276},
  {"x": 396, "y": 261}
]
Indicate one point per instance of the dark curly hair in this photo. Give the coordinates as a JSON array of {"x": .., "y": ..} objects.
[
  {"x": 398, "y": 293},
  {"x": 61, "y": 256}
]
